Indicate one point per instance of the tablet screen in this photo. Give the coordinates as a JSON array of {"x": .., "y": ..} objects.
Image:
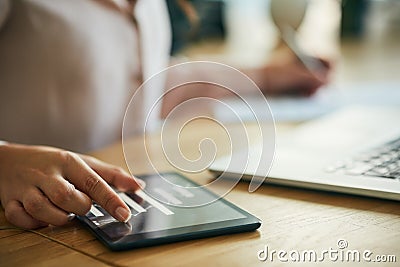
[{"x": 159, "y": 215}]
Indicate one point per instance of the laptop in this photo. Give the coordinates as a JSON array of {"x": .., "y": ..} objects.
[{"x": 353, "y": 150}]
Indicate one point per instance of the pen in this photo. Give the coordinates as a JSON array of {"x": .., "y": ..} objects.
[{"x": 313, "y": 64}]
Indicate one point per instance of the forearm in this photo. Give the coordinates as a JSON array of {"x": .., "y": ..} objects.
[{"x": 203, "y": 83}]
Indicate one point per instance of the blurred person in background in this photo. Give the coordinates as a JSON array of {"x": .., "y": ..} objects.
[{"x": 67, "y": 72}]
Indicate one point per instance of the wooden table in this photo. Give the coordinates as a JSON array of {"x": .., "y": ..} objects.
[{"x": 293, "y": 219}]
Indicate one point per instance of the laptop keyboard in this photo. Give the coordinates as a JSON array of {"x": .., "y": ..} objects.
[{"x": 383, "y": 161}]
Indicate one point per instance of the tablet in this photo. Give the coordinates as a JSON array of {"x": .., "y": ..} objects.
[{"x": 159, "y": 215}]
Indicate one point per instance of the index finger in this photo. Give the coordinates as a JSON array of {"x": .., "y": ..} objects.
[
  {"x": 113, "y": 175},
  {"x": 89, "y": 182}
]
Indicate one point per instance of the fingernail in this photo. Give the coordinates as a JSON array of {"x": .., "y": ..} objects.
[{"x": 123, "y": 214}]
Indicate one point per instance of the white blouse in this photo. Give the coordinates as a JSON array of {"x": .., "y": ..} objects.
[{"x": 68, "y": 69}]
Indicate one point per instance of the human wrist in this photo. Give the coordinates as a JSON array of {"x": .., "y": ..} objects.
[{"x": 261, "y": 77}]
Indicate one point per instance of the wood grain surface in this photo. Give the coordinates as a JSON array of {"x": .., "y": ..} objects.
[{"x": 293, "y": 219}]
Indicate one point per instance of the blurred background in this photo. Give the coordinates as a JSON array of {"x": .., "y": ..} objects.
[
  {"x": 360, "y": 37},
  {"x": 242, "y": 33}
]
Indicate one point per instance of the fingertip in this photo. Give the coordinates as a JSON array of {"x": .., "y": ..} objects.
[{"x": 123, "y": 214}]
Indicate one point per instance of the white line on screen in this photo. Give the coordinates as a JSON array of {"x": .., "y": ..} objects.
[
  {"x": 96, "y": 212},
  {"x": 153, "y": 202},
  {"x": 131, "y": 203}
]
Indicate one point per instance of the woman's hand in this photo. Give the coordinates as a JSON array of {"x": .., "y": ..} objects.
[
  {"x": 42, "y": 185},
  {"x": 287, "y": 75}
]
